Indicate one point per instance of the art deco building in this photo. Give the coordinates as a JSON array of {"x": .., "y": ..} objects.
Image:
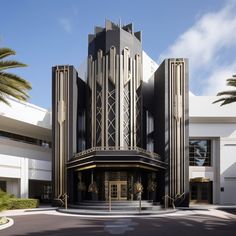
[
  {"x": 116, "y": 135},
  {"x": 25, "y": 140}
]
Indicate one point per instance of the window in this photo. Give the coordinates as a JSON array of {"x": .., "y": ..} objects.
[
  {"x": 149, "y": 131},
  {"x": 200, "y": 152},
  {"x": 25, "y": 139},
  {"x": 81, "y": 135},
  {"x": 3, "y": 186}
]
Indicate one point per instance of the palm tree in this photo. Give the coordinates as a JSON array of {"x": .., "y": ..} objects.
[
  {"x": 230, "y": 95},
  {"x": 11, "y": 84}
]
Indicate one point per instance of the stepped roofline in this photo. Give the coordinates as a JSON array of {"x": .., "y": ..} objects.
[{"x": 109, "y": 25}]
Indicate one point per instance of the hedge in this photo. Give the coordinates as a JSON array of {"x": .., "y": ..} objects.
[
  {"x": 9, "y": 202},
  {"x": 21, "y": 203}
]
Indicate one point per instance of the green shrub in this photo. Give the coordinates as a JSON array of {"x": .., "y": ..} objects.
[
  {"x": 21, "y": 203},
  {"x": 5, "y": 195},
  {"x": 9, "y": 202},
  {"x": 4, "y": 200}
]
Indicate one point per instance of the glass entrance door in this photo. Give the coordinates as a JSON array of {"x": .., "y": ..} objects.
[
  {"x": 201, "y": 192},
  {"x": 118, "y": 190}
]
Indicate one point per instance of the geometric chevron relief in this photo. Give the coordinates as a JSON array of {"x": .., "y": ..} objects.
[
  {"x": 111, "y": 114},
  {"x": 126, "y": 107},
  {"x": 98, "y": 115}
]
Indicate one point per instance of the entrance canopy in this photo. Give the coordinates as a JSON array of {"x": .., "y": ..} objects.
[{"x": 113, "y": 157}]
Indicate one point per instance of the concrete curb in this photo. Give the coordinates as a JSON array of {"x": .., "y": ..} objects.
[
  {"x": 41, "y": 209},
  {"x": 8, "y": 224},
  {"x": 27, "y": 211},
  {"x": 114, "y": 213}
]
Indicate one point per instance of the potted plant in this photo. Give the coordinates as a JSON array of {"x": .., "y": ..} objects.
[
  {"x": 138, "y": 187},
  {"x": 152, "y": 185},
  {"x": 151, "y": 188}
]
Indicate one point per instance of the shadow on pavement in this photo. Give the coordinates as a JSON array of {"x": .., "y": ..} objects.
[{"x": 52, "y": 225}]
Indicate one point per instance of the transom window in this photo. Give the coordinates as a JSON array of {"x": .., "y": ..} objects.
[{"x": 200, "y": 152}]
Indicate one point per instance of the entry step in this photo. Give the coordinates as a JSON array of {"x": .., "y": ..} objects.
[{"x": 116, "y": 205}]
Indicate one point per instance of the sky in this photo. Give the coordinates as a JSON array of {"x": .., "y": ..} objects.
[{"x": 46, "y": 33}]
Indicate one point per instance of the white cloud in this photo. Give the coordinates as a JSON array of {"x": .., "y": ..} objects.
[
  {"x": 216, "y": 82},
  {"x": 66, "y": 24},
  {"x": 204, "y": 44}
]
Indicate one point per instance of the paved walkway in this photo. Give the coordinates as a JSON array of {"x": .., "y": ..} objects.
[
  {"x": 47, "y": 209},
  {"x": 222, "y": 212}
]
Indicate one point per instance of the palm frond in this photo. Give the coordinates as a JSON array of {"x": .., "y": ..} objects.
[
  {"x": 17, "y": 86},
  {"x": 231, "y": 79},
  {"x": 16, "y": 79},
  {"x": 230, "y": 93},
  {"x": 231, "y": 82},
  {"x": 226, "y": 100},
  {"x": 219, "y": 100},
  {"x": 4, "y": 52},
  {"x": 4, "y": 65},
  {"x": 11, "y": 84},
  {"x": 2, "y": 99},
  {"x": 229, "y": 100},
  {"x": 12, "y": 92}
]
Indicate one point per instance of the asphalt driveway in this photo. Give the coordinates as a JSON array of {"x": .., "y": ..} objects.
[{"x": 180, "y": 224}]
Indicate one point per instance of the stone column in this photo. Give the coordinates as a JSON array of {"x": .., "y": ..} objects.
[{"x": 24, "y": 178}]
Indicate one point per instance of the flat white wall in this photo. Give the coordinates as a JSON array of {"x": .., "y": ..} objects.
[
  {"x": 149, "y": 67},
  {"x": 21, "y": 110},
  {"x": 228, "y": 170},
  {"x": 23, "y": 161},
  {"x": 218, "y": 123},
  {"x": 13, "y": 186},
  {"x": 202, "y": 106},
  {"x": 201, "y": 171},
  {"x": 223, "y": 169},
  {"x": 212, "y": 130},
  {"x": 40, "y": 170}
]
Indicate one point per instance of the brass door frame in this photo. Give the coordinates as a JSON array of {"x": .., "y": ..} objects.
[{"x": 118, "y": 184}]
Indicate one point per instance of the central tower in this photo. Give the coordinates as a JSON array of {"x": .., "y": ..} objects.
[
  {"x": 115, "y": 136},
  {"x": 115, "y": 87}
]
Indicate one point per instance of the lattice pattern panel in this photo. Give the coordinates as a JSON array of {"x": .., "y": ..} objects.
[
  {"x": 99, "y": 115},
  {"x": 111, "y": 103},
  {"x": 126, "y": 108}
]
